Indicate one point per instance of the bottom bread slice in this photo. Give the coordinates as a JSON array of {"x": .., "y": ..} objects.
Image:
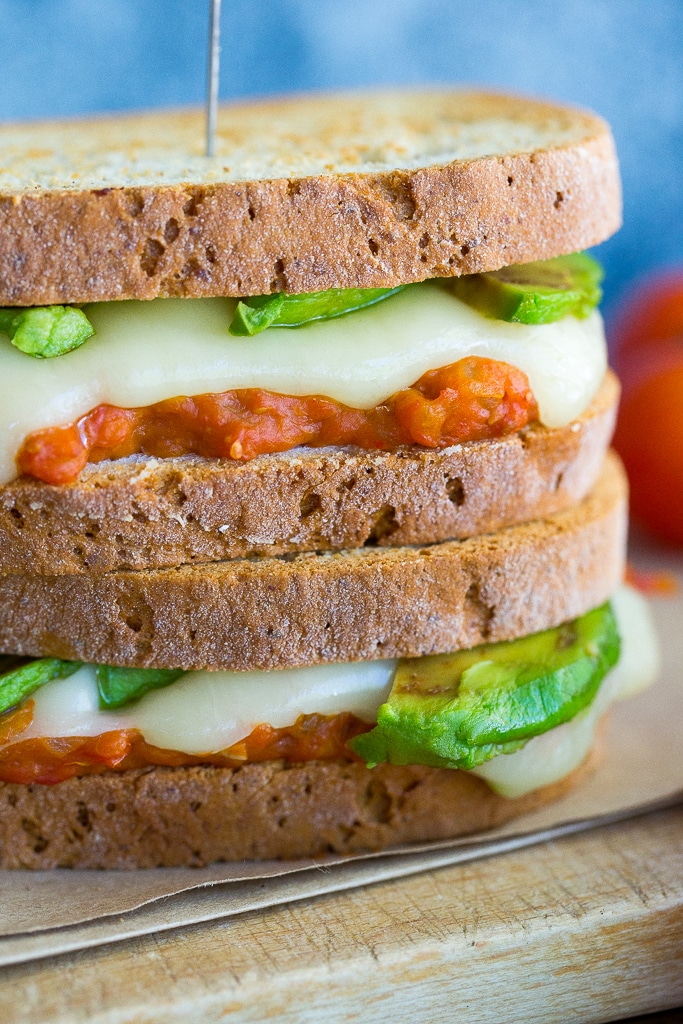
[{"x": 170, "y": 817}]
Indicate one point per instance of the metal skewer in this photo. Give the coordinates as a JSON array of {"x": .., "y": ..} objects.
[{"x": 214, "y": 72}]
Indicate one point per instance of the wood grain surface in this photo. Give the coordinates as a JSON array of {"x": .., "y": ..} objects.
[{"x": 587, "y": 928}]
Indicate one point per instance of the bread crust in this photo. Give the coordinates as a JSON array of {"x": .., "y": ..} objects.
[
  {"x": 337, "y": 226},
  {"x": 310, "y": 608},
  {"x": 169, "y": 817},
  {"x": 145, "y": 513}
]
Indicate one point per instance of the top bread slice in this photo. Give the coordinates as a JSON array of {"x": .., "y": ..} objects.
[{"x": 304, "y": 194}]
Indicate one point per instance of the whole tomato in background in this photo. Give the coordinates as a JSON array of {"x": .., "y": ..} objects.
[{"x": 647, "y": 353}]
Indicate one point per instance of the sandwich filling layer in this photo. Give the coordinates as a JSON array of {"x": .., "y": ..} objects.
[
  {"x": 472, "y": 400},
  {"x": 298, "y": 714},
  {"x": 146, "y": 353}
]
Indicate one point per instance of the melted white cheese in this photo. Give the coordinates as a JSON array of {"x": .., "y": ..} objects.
[
  {"x": 209, "y": 711},
  {"x": 144, "y": 352}
]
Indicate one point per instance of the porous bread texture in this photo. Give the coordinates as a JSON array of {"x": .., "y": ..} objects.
[
  {"x": 304, "y": 194},
  {"x": 145, "y": 513},
  {"x": 309, "y": 608},
  {"x": 168, "y": 817}
]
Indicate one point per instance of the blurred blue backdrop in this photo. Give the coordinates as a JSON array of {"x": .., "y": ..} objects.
[{"x": 623, "y": 58}]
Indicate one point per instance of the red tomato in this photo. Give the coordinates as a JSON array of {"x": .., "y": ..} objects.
[
  {"x": 647, "y": 336},
  {"x": 649, "y": 436},
  {"x": 655, "y": 310}
]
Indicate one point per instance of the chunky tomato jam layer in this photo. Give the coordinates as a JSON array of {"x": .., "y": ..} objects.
[
  {"x": 48, "y": 761},
  {"x": 471, "y": 400}
]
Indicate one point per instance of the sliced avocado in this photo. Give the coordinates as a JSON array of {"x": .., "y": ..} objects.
[
  {"x": 459, "y": 710},
  {"x": 262, "y": 311},
  {"x": 535, "y": 293},
  {"x": 118, "y": 686},
  {"x": 46, "y": 331}
]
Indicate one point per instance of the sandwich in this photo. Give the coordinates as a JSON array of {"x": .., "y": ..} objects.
[{"x": 310, "y": 539}]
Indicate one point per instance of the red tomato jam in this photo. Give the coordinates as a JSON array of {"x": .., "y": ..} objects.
[
  {"x": 52, "y": 760},
  {"x": 471, "y": 400}
]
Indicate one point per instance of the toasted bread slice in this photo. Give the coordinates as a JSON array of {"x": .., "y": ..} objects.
[
  {"x": 142, "y": 513},
  {"x": 164, "y": 817},
  {"x": 310, "y": 608},
  {"x": 303, "y": 195}
]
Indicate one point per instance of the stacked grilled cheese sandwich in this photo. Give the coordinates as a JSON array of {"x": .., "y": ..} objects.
[{"x": 309, "y": 537}]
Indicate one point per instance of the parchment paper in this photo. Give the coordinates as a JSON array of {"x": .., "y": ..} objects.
[{"x": 44, "y": 913}]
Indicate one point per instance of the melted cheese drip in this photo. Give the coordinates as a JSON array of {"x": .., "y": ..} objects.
[
  {"x": 144, "y": 352},
  {"x": 208, "y": 711}
]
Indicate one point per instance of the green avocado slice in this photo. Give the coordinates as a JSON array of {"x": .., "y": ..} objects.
[
  {"x": 118, "y": 687},
  {"x": 535, "y": 293},
  {"x": 459, "y": 710},
  {"x": 46, "y": 331},
  {"x": 262, "y": 311}
]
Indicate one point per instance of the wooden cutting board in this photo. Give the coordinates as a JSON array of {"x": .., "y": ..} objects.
[{"x": 586, "y": 928}]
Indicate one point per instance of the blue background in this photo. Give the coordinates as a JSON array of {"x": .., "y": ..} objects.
[{"x": 623, "y": 58}]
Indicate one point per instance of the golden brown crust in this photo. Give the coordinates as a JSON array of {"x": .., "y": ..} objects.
[
  {"x": 312, "y": 608},
  {"x": 326, "y": 223},
  {"x": 164, "y": 817},
  {"x": 148, "y": 514}
]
